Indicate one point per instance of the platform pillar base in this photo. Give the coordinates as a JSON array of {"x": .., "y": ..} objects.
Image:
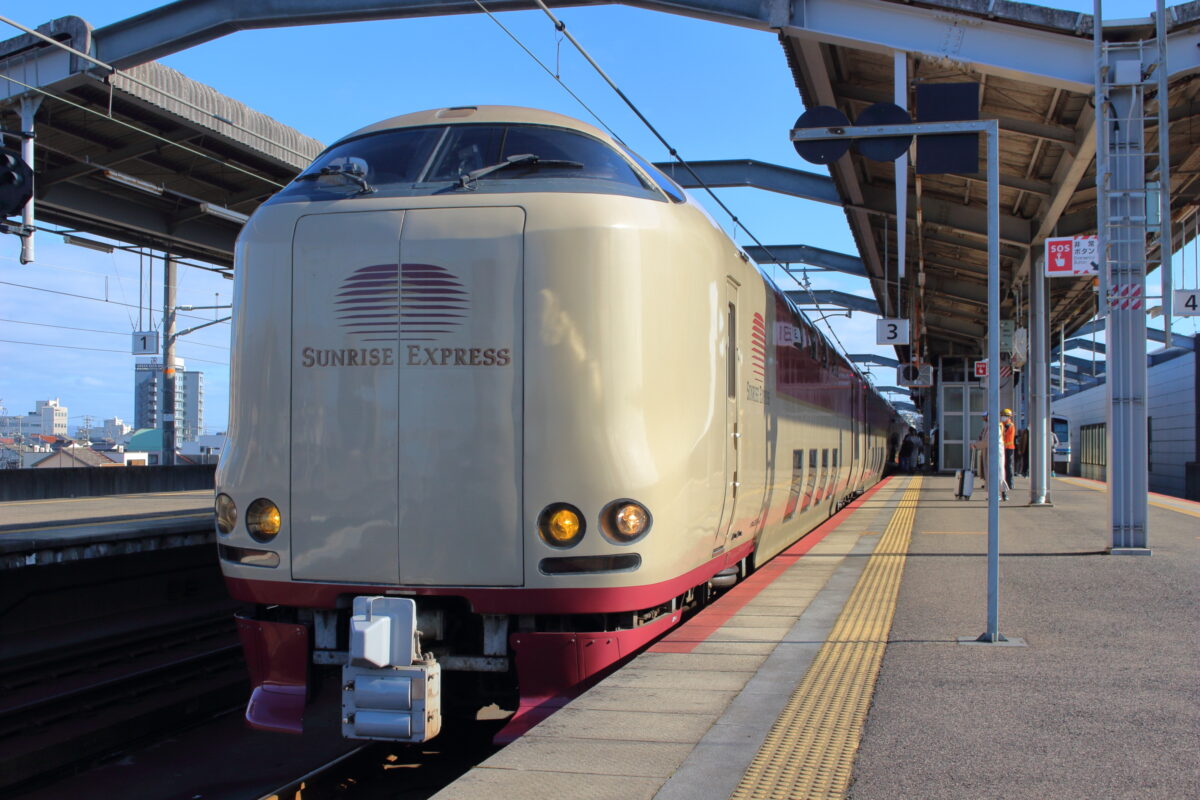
[
  {"x": 1129, "y": 551},
  {"x": 1000, "y": 641}
]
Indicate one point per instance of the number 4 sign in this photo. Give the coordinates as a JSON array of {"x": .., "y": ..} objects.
[
  {"x": 1067, "y": 256},
  {"x": 891, "y": 331},
  {"x": 1187, "y": 303}
]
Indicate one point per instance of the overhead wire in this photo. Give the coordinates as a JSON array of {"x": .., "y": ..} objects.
[
  {"x": 561, "y": 27},
  {"x": 99, "y": 350},
  {"x": 93, "y": 299},
  {"x": 96, "y": 330}
]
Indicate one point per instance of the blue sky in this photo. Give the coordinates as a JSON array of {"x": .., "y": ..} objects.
[{"x": 714, "y": 91}]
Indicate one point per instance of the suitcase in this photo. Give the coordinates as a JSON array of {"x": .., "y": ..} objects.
[{"x": 966, "y": 484}]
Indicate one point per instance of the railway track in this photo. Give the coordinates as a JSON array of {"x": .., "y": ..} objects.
[
  {"x": 398, "y": 772},
  {"x": 66, "y": 706}
]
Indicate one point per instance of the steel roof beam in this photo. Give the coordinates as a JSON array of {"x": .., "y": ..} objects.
[
  {"x": 1153, "y": 334},
  {"x": 832, "y": 297},
  {"x": 1083, "y": 344},
  {"x": 871, "y": 358},
  {"x": 756, "y": 174},
  {"x": 986, "y": 44},
  {"x": 812, "y": 256}
]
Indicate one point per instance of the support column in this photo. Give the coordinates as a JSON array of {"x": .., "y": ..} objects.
[
  {"x": 1126, "y": 335},
  {"x": 29, "y": 107},
  {"x": 168, "y": 404},
  {"x": 1039, "y": 379}
]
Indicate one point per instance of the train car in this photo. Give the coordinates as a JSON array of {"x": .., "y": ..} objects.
[{"x": 506, "y": 404}]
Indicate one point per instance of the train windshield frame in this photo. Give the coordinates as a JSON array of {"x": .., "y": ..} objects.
[{"x": 439, "y": 159}]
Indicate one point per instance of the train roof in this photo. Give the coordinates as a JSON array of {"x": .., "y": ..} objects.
[{"x": 458, "y": 115}]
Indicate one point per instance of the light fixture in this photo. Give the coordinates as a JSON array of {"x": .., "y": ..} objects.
[
  {"x": 132, "y": 182},
  {"x": 224, "y": 213},
  {"x": 90, "y": 244}
]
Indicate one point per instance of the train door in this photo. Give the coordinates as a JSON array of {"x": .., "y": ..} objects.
[
  {"x": 343, "y": 507},
  {"x": 732, "y": 414},
  {"x": 461, "y": 410}
]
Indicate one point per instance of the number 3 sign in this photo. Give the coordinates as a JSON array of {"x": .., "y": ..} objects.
[{"x": 891, "y": 331}]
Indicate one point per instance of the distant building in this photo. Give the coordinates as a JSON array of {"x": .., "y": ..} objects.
[
  {"x": 49, "y": 418},
  {"x": 148, "y": 398},
  {"x": 113, "y": 429},
  {"x": 205, "y": 449}
]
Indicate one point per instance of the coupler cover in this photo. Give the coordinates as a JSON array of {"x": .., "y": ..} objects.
[{"x": 388, "y": 692}]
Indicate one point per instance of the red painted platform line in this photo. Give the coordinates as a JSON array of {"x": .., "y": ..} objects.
[
  {"x": 699, "y": 628},
  {"x": 1170, "y": 498}
]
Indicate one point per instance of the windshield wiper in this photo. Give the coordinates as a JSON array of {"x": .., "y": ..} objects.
[
  {"x": 352, "y": 172},
  {"x": 525, "y": 159}
]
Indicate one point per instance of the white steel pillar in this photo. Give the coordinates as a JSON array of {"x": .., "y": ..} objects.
[
  {"x": 29, "y": 107},
  {"x": 1121, "y": 221},
  {"x": 1039, "y": 396}
]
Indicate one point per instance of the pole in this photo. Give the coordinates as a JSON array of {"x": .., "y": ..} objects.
[
  {"x": 29, "y": 107},
  {"x": 1039, "y": 378},
  {"x": 168, "y": 403},
  {"x": 995, "y": 454},
  {"x": 1166, "y": 243},
  {"x": 900, "y": 87}
]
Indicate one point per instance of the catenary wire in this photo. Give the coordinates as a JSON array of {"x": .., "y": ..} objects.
[
  {"x": 96, "y": 330},
  {"x": 561, "y": 26},
  {"x": 94, "y": 299},
  {"x": 100, "y": 350}
]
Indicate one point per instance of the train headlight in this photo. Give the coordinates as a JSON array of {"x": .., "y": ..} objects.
[
  {"x": 625, "y": 520},
  {"x": 263, "y": 519},
  {"x": 561, "y": 525},
  {"x": 226, "y": 511}
]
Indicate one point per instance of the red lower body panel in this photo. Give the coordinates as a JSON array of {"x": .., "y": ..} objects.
[
  {"x": 553, "y": 668},
  {"x": 277, "y": 656}
]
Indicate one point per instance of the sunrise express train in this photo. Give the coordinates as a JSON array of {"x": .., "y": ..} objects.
[{"x": 497, "y": 378}]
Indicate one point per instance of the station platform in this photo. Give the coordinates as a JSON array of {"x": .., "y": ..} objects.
[
  {"x": 34, "y": 532},
  {"x": 835, "y": 670}
]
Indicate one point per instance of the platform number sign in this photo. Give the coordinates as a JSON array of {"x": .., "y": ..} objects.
[
  {"x": 145, "y": 343},
  {"x": 1187, "y": 303},
  {"x": 1068, "y": 256},
  {"x": 891, "y": 331}
]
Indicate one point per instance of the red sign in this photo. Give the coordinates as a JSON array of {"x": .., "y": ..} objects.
[
  {"x": 981, "y": 369},
  {"x": 1067, "y": 256}
]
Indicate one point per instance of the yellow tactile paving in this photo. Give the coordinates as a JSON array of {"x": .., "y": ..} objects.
[{"x": 809, "y": 752}]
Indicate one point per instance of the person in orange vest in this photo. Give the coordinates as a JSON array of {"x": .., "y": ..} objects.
[{"x": 1008, "y": 435}]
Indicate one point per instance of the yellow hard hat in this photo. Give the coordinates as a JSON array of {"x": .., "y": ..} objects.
[{"x": 1006, "y": 412}]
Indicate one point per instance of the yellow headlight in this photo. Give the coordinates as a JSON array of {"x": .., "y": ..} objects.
[
  {"x": 263, "y": 519},
  {"x": 561, "y": 525}
]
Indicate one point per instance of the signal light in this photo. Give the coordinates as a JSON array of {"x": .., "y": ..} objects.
[{"x": 16, "y": 182}]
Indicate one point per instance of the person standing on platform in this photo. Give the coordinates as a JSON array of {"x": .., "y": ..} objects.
[
  {"x": 980, "y": 447},
  {"x": 1008, "y": 436}
]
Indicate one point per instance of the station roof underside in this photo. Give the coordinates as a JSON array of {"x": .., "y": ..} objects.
[{"x": 1034, "y": 66}]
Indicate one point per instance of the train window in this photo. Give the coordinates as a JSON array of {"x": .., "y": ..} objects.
[
  {"x": 380, "y": 159},
  {"x": 812, "y": 459},
  {"x": 835, "y": 458},
  {"x": 561, "y": 154},
  {"x": 670, "y": 188},
  {"x": 731, "y": 352}
]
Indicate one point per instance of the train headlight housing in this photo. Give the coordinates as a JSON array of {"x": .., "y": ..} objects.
[
  {"x": 561, "y": 525},
  {"x": 263, "y": 519},
  {"x": 625, "y": 520},
  {"x": 226, "y": 511}
]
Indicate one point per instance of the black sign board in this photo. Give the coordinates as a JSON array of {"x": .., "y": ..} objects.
[{"x": 948, "y": 102}]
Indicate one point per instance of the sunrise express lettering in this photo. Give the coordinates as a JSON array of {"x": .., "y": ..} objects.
[{"x": 414, "y": 356}]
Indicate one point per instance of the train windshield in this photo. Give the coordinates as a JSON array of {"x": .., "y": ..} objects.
[
  {"x": 1061, "y": 429},
  {"x": 479, "y": 158}
]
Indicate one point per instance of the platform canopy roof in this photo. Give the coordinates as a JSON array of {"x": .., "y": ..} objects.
[{"x": 1035, "y": 67}]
